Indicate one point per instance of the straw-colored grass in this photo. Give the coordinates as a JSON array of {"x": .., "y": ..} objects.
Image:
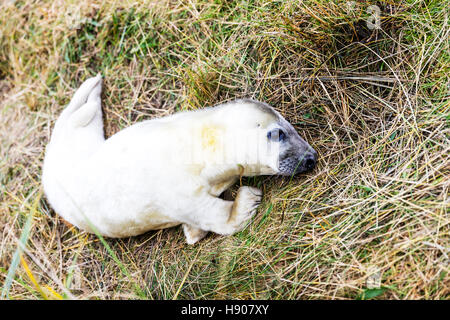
[{"x": 371, "y": 221}]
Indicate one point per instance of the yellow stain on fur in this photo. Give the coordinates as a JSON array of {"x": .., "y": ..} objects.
[{"x": 210, "y": 137}]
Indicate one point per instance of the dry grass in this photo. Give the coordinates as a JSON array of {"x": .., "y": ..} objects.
[{"x": 374, "y": 103}]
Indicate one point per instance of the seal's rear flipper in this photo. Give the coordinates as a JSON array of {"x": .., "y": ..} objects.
[
  {"x": 81, "y": 95},
  {"x": 91, "y": 109},
  {"x": 78, "y": 132},
  {"x": 83, "y": 116}
]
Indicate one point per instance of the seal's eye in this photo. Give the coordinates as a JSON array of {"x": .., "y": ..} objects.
[{"x": 276, "y": 135}]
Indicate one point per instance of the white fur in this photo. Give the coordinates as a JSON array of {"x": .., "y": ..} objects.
[{"x": 157, "y": 173}]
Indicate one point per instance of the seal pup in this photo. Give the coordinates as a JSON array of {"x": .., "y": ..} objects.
[{"x": 164, "y": 172}]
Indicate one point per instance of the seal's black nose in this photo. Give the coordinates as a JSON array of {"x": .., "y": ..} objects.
[{"x": 310, "y": 160}]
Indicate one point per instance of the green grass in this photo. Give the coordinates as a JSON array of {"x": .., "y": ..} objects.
[{"x": 373, "y": 103}]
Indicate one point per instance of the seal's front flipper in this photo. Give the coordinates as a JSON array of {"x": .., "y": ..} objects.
[
  {"x": 244, "y": 206},
  {"x": 193, "y": 234},
  {"x": 222, "y": 216}
]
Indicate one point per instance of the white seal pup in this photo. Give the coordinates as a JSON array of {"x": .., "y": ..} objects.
[{"x": 169, "y": 171}]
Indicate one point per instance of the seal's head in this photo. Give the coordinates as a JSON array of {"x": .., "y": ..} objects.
[
  {"x": 281, "y": 149},
  {"x": 295, "y": 155}
]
